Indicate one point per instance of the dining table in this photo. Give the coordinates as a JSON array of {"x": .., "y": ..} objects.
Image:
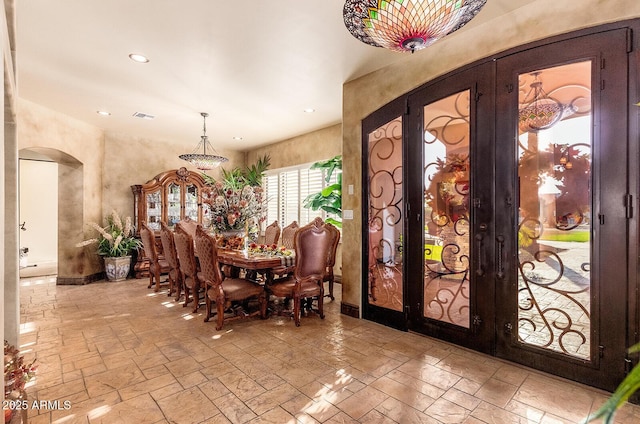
[{"x": 253, "y": 264}]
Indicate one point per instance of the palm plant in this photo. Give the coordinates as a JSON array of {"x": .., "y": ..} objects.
[
  {"x": 329, "y": 199},
  {"x": 237, "y": 178}
]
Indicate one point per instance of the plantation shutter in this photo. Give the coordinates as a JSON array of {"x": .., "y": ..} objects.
[
  {"x": 311, "y": 182},
  {"x": 289, "y": 197},
  {"x": 270, "y": 185}
]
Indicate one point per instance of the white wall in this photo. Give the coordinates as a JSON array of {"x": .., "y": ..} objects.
[{"x": 39, "y": 211}]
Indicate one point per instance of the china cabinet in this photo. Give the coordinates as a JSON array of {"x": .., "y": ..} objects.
[{"x": 170, "y": 196}]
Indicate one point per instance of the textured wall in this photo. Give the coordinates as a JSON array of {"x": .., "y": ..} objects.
[
  {"x": 311, "y": 147},
  {"x": 131, "y": 160},
  {"x": 361, "y": 97},
  {"x": 78, "y": 148}
]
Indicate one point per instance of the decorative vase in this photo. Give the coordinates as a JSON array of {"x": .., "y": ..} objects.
[
  {"x": 117, "y": 268},
  {"x": 231, "y": 239}
]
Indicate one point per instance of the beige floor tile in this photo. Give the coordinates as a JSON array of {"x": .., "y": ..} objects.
[{"x": 122, "y": 353}]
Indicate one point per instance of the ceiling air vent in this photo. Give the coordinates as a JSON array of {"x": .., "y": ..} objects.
[{"x": 143, "y": 115}]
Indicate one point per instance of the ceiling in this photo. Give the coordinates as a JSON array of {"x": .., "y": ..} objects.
[{"x": 254, "y": 66}]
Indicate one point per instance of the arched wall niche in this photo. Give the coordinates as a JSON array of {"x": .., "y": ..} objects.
[{"x": 75, "y": 265}]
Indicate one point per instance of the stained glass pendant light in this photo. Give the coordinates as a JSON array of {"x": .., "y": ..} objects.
[
  {"x": 540, "y": 111},
  {"x": 204, "y": 161},
  {"x": 407, "y": 25}
]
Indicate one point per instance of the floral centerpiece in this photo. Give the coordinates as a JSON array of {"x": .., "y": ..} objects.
[
  {"x": 269, "y": 250},
  {"x": 234, "y": 209},
  {"x": 237, "y": 203}
]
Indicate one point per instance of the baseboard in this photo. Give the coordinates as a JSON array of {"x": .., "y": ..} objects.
[
  {"x": 79, "y": 281},
  {"x": 350, "y": 310}
]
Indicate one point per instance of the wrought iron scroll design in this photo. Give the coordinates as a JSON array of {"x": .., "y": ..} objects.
[
  {"x": 385, "y": 211},
  {"x": 562, "y": 324},
  {"x": 447, "y": 188}
]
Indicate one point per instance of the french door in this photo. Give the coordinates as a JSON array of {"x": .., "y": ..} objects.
[{"x": 499, "y": 207}]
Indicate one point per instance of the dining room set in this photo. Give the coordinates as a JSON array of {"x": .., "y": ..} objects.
[{"x": 237, "y": 279}]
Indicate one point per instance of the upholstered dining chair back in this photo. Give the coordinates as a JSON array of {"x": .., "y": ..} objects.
[
  {"x": 225, "y": 292},
  {"x": 157, "y": 266},
  {"x": 288, "y": 233},
  {"x": 171, "y": 255},
  {"x": 188, "y": 265},
  {"x": 208, "y": 257},
  {"x": 312, "y": 244},
  {"x": 272, "y": 233}
]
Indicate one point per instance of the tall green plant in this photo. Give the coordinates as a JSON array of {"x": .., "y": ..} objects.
[
  {"x": 237, "y": 178},
  {"x": 329, "y": 199}
]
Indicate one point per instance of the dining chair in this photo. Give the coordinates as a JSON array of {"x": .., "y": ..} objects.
[
  {"x": 311, "y": 243},
  {"x": 331, "y": 259},
  {"x": 188, "y": 267},
  {"x": 158, "y": 265},
  {"x": 229, "y": 294},
  {"x": 171, "y": 255},
  {"x": 272, "y": 233},
  {"x": 288, "y": 233}
]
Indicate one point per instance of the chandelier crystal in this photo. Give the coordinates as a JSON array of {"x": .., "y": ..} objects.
[
  {"x": 204, "y": 161},
  {"x": 407, "y": 25}
]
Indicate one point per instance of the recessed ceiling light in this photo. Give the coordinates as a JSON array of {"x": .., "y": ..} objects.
[
  {"x": 309, "y": 110},
  {"x": 237, "y": 138},
  {"x": 103, "y": 113},
  {"x": 138, "y": 58}
]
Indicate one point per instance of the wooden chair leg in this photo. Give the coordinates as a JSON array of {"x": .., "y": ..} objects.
[
  {"x": 157, "y": 289},
  {"x": 220, "y": 320},
  {"x": 296, "y": 309},
  {"x": 208, "y": 305}
]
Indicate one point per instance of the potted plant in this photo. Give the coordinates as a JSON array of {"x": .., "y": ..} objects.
[
  {"x": 17, "y": 374},
  {"x": 329, "y": 199},
  {"x": 116, "y": 242}
]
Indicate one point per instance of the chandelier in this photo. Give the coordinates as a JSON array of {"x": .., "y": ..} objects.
[
  {"x": 539, "y": 111},
  {"x": 204, "y": 161},
  {"x": 407, "y": 25}
]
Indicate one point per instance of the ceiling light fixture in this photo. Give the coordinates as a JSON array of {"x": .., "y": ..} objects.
[
  {"x": 407, "y": 25},
  {"x": 103, "y": 113},
  {"x": 138, "y": 58},
  {"x": 309, "y": 110},
  {"x": 204, "y": 161}
]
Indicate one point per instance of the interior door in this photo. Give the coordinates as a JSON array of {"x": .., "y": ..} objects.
[
  {"x": 450, "y": 214},
  {"x": 562, "y": 207}
]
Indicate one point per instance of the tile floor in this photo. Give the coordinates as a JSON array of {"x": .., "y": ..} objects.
[{"x": 120, "y": 353}]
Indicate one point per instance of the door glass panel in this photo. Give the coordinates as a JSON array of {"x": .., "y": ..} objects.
[
  {"x": 173, "y": 204},
  {"x": 554, "y": 232},
  {"x": 446, "y": 214},
  {"x": 154, "y": 210},
  {"x": 385, "y": 216},
  {"x": 191, "y": 202}
]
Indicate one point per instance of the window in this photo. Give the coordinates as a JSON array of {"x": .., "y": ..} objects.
[{"x": 286, "y": 189}]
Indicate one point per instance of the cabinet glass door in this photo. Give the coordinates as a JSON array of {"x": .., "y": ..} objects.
[
  {"x": 191, "y": 202},
  {"x": 154, "y": 209},
  {"x": 173, "y": 204}
]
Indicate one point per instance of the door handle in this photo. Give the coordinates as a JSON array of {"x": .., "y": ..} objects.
[
  {"x": 499, "y": 265},
  {"x": 480, "y": 268}
]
